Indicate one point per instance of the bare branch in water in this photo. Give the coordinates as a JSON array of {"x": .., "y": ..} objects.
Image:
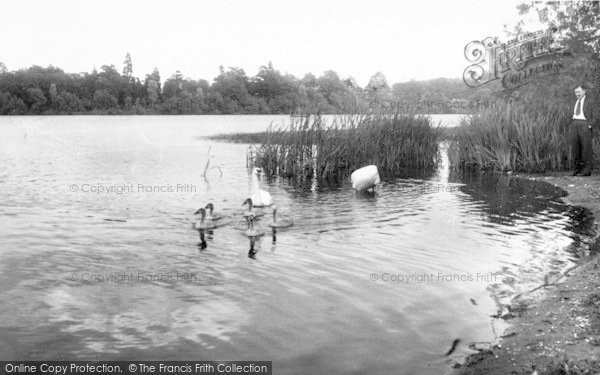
[
  {"x": 208, "y": 156},
  {"x": 219, "y": 168},
  {"x": 208, "y": 168}
]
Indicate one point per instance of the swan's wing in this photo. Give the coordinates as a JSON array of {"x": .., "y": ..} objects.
[
  {"x": 266, "y": 197},
  {"x": 262, "y": 198}
]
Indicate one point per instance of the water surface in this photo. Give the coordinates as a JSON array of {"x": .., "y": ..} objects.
[{"x": 99, "y": 261}]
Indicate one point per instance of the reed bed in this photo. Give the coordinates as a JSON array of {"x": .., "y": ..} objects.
[
  {"x": 515, "y": 137},
  {"x": 309, "y": 148}
]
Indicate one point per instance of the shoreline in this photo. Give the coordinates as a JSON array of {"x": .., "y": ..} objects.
[{"x": 557, "y": 332}]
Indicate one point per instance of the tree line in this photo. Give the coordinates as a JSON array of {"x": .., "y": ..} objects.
[
  {"x": 48, "y": 91},
  {"x": 37, "y": 90}
]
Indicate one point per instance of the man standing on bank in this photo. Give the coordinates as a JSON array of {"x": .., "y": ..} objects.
[{"x": 580, "y": 133}]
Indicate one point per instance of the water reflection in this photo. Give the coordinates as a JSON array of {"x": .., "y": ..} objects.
[
  {"x": 532, "y": 210},
  {"x": 202, "y": 245},
  {"x": 366, "y": 194}
]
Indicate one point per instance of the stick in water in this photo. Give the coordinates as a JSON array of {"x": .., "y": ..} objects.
[{"x": 453, "y": 347}]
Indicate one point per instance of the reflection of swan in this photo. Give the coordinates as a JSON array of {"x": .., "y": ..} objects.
[
  {"x": 259, "y": 197},
  {"x": 211, "y": 215},
  {"x": 251, "y": 231},
  {"x": 281, "y": 222},
  {"x": 365, "y": 178},
  {"x": 251, "y": 211},
  {"x": 202, "y": 245},
  {"x": 202, "y": 223}
]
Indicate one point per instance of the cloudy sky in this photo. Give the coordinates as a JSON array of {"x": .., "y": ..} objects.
[{"x": 405, "y": 40}]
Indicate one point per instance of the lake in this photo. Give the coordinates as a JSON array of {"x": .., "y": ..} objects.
[{"x": 99, "y": 260}]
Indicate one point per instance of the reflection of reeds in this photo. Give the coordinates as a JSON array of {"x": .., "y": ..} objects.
[
  {"x": 309, "y": 148},
  {"x": 514, "y": 137}
]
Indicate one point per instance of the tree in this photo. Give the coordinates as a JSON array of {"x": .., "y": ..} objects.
[
  {"x": 128, "y": 67},
  {"x": 152, "y": 84},
  {"x": 153, "y": 90},
  {"x": 577, "y": 22},
  {"x": 35, "y": 99},
  {"x": 336, "y": 93},
  {"x": 267, "y": 83},
  {"x": 231, "y": 88},
  {"x": 173, "y": 86},
  {"x": 11, "y": 105},
  {"x": 309, "y": 89},
  {"x": 68, "y": 103},
  {"x": 117, "y": 85},
  {"x": 52, "y": 93},
  {"x": 104, "y": 100},
  {"x": 378, "y": 84},
  {"x": 577, "y": 34},
  {"x": 281, "y": 93},
  {"x": 3, "y": 68}
]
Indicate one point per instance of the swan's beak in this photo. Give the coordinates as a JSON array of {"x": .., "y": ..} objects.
[
  {"x": 247, "y": 201},
  {"x": 209, "y": 206},
  {"x": 198, "y": 212}
]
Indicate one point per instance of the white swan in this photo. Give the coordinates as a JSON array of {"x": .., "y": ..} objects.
[
  {"x": 210, "y": 215},
  {"x": 281, "y": 222},
  {"x": 365, "y": 178},
  {"x": 201, "y": 223},
  {"x": 259, "y": 196}
]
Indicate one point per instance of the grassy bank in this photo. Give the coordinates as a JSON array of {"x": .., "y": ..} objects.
[
  {"x": 310, "y": 148},
  {"x": 515, "y": 137}
]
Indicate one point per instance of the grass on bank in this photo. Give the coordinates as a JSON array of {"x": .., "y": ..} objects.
[{"x": 515, "y": 137}]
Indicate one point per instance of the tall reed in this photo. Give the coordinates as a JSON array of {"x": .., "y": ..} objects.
[
  {"x": 310, "y": 148},
  {"x": 515, "y": 137}
]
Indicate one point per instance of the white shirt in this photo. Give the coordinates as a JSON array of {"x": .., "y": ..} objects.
[{"x": 575, "y": 115}]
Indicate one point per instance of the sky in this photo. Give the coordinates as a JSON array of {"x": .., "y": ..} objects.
[{"x": 404, "y": 40}]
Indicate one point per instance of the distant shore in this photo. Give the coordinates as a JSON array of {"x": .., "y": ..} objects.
[
  {"x": 560, "y": 332},
  {"x": 48, "y": 91}
]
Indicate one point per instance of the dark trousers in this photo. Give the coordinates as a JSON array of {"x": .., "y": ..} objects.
[{"x": 580, "y": 139}]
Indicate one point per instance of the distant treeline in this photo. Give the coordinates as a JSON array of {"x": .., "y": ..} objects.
[{"x": 48, "y": 91}]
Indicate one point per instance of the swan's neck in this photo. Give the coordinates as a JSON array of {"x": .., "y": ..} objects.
[
  {"x": 274, "y": 216},
  {"x": 255, "y": 182}
]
